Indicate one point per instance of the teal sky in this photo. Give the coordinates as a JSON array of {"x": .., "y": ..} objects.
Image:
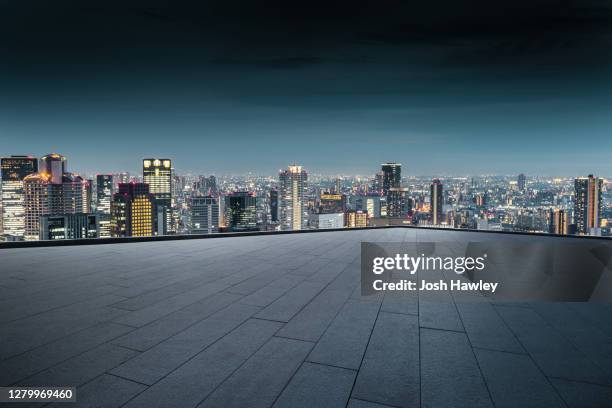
[{"x": 527, "y": 90}]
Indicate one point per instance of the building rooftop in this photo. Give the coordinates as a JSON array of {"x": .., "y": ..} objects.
[{"x": 278, "y": 320}]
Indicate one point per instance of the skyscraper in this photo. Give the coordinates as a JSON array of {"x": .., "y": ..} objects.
[
  {"x": 558, "y": 222},
  {"x": 14, "y": 170},
  {"x": 104, "y": 197},
  {"x": 588, "y": 205},
  {"x": 391, "y": 176},
  {"x": 521, "y": 182},
  {"x": 332, "y": 203},
  {"x": 51, "y": 191},
  {"x": 391, "y": 188},
  {"x": 241, "y": 211},
  {"x": 204, "y": 213},
  {"x": 356, "y": 219},
  {"x": 69, "y": 226},
  {"x": 293, "y": 214},
  {"x": 436, "y": 202},
  {"x": 274, "y": 205},
  {"x": 157, "y": 173},
  {"x": 133, "y": 211},
  {"x": 398, "y": 203}
]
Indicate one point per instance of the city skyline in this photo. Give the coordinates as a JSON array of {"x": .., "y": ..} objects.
[{"x": 491, "y": 88}]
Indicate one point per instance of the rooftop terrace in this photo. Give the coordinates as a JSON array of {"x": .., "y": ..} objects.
[{"x": 278, "y": 320}]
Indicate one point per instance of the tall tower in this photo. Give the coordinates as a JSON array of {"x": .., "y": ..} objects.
[
  {"x": 14, "y": 170},
  {"x": 133, "y": 211},
  {"x": 521, "y": 182},
  {"x": 241, "y": 210},
  {"x": 436, "y": 202},
  {"x": 391, "y": 176},
  {"x": 558, "y": 222},
  {"x": 274, "y": 205},
  {"x": 587, "y": 205},
  {"x": 104, "y": 197},
  {"x": 292, "y": 201},
  {"x": 157, "y": 173},
  {"x": 51, "y": 191},
  {"x": 204, "y": 213}
]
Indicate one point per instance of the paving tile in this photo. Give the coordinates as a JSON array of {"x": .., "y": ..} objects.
[
  {"x": 164, "y": 307},
  {"x": 583, "y": 395},
  {"x": 450, "y": 376},
  {"x": 157, "y": 362},
  {"x": 486, "y": 329},
  {"x": 288, "y": 305},
  {"x": 148, "y": 336},
  {"x": 356, "y": 403},
  {"x": 316, "y": 385},
  {"x": 82, "y": 368},
  {"x": 390, "y": 370},
  {"x": 310, "y": 323},
  {"x": 43, "y": 357},
  {"x": 344, "y": 343},
  {"x": 262, "y": 378},
  {"x": 196, "y": 379},
  {"x": 106, "y": 391},
  {"x": 515, "y": 381},
  {"x": 551, "y": 351}
]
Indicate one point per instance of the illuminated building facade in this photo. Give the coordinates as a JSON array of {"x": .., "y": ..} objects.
[
  {"x": 104, "y": 197},
  {"x": 69, "y": 226},
  {"x": 398, "y": 203},
  {"x": 51, "y": 191},
  {"x": 157, "y": 173},
  {"x": 14, "y": 170},
  {"x": 274, "y": 205},
  {"x": 332, "y": 204},
  {"x": 327, "y": 221},
  {"x": 204, "y": 213},
  {"x": 391, "y": 176},
  {"x": 436, "y": 202},
  {"x": 356, "y": 219},
  {"x": 558, "y": 222},
  {"x": 133, "y": 211},
  {"x": 293, "y": 210},
  {"x": 588, "y": 205},
  {"x": 521, "y": 182},
  {"x": 241, "y": 211}
]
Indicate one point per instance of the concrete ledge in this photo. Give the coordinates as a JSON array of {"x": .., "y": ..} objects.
[{"x": 103, "y": 241}]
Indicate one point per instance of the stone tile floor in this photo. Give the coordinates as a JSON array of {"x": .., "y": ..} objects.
[{"x": 279, "y": 321}]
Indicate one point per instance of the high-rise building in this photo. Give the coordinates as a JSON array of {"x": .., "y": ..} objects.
[
  {"x": 558, "y": 222},
  {"x": 133, "y": 211},
  {"x": 588, "y": 205},
  {"x": 332, "y": 204},
  {"x": 436, "y": 202},
  {"x": 51, "y": 191},
  {"x": 391, "y": 188},
  {"x": 293, "y": 209},
  {"x": 14, "y": 170},
  {"x": 104, "y": 197},
  {"x": 241, "y": 211},
  {"x": 86, "y": 191},
  {"x": 204, "y": 215},
  {"x": 157, "y": 173},
  {"x": 521, "y": 182},
  {"x": 274, "y": 205},
  {"x": 398, "y": 202},
  {"x": 326, "y": 221},
  {"x": 69, "y": 226},
  {"x": 391, "y": 176},
  {"x": 356, "y": 219}
]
